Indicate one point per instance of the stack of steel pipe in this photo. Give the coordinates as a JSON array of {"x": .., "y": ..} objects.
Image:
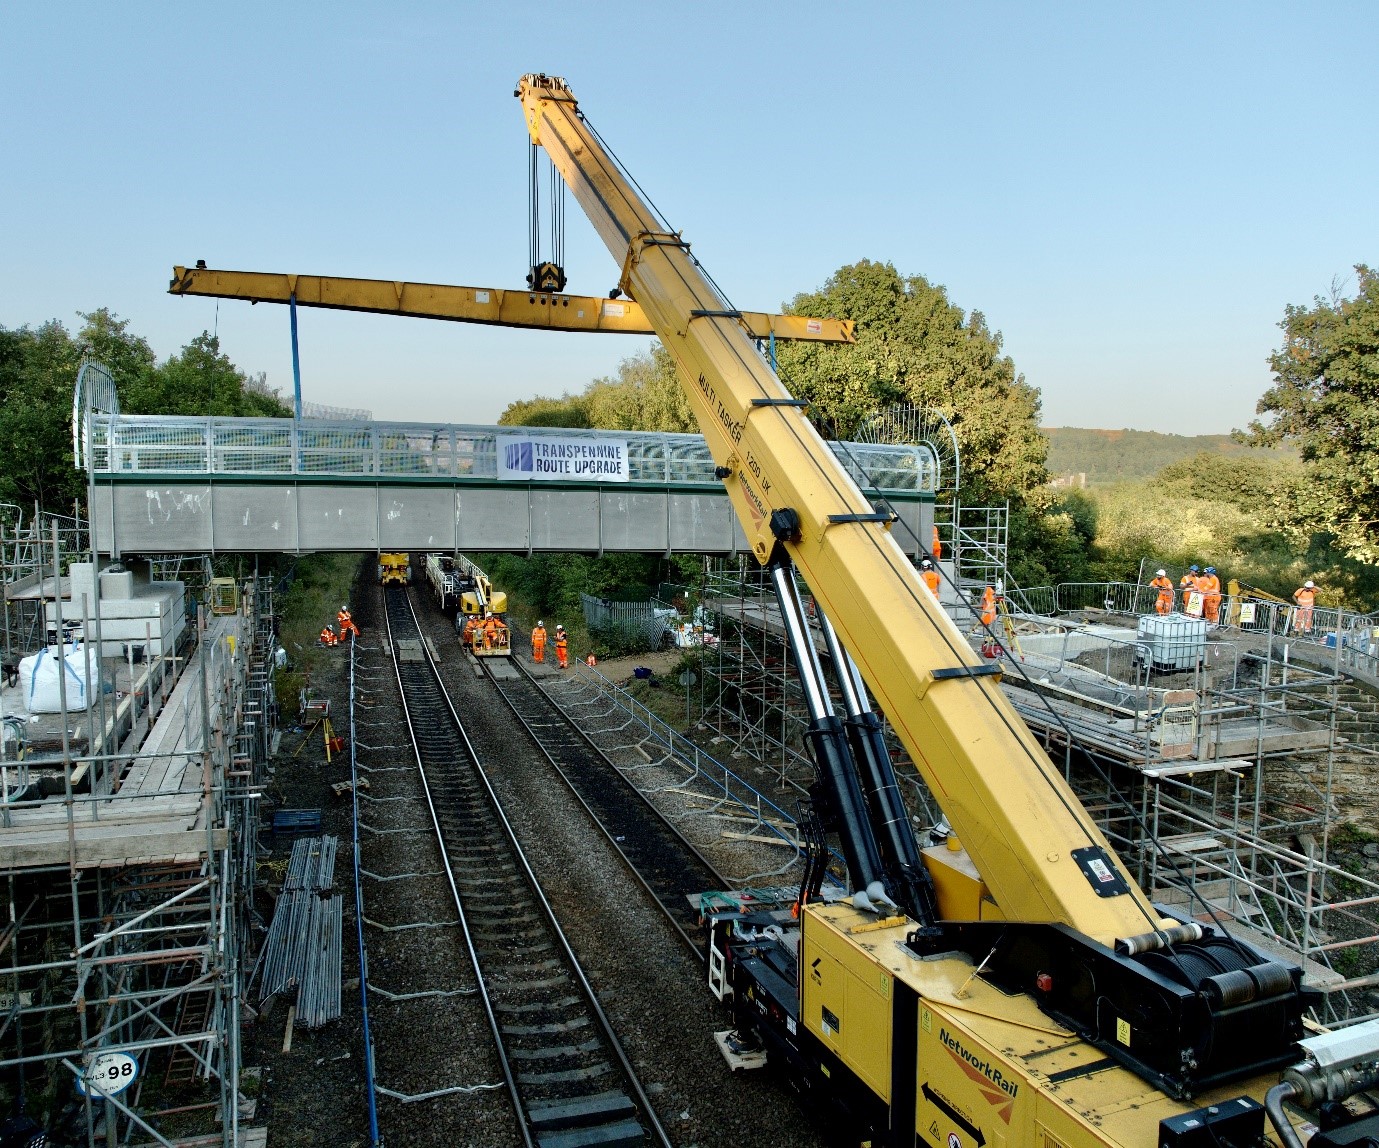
[
  {"x": 312, "y": 864},
  {"x": 302, "y": 951},
  {"x": 318, "y": 994}
]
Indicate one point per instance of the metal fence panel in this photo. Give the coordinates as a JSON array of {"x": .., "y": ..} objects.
[{"x": 641, "y": 623}]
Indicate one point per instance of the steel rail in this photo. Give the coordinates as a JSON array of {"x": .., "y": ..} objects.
[
  {"x": 464, "y": 796},
  {"x": 620, "y": 810}
]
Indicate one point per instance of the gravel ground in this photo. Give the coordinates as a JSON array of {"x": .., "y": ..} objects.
[
  {"x": 652, "y": 988},
  {"x": 314, "y": 1095}
]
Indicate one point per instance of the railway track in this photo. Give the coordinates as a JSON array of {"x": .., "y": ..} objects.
[
  {"x": 669, "y": 868},
  {"x": 569, "y": 1077}
]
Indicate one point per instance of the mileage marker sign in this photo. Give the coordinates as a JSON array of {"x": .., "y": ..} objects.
[{"x": 108, "y": 1074}]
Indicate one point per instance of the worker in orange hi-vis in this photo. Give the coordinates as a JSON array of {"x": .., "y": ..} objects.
[
  {"x": 473, "y": 624},
  {"x": 1163, "y": 604},
  {"x": 1188, "y": 586},
  {"x": 538, "y": 642},
  {"x": 1305, "y": 596},
  {"x": 989, "y": 606},
  {"x": 490, "y": 630},
  {"x": 929, "y": 572},
  {"x": 346, "y": 623},
  {"x": 1210, "y": 585},
  {"x": 328, "y": 636},
  {"x": 562, "y": 647},
  {"x": 937, "y": 548}
]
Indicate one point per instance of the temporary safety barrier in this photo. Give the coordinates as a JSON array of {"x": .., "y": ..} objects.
[{"x": 642, "y": 623}]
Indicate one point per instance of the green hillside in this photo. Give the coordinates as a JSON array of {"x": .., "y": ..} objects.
[{"x": 1108, "y": 456}]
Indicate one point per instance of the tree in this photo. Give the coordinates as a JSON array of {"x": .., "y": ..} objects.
[
  {"x": 1239, "y": 479},
  {"x": 571, "y": 411},
  {"x": 644, "y": 395},
  {"x": 38, "y": 368},
  {"x": 914, "y": 345},
  {"x": 37, "y": 371},
  {"x": 199, "y": 380},
  {"x": 1325, "y": 398},
  {"x": 105, "y": 337}
]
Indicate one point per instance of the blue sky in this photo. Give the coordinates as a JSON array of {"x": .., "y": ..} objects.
[{"x": 1130, "y": 194}]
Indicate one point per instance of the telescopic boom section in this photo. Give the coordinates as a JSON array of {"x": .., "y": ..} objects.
[
  {"x": 494, "y": 306},
  {"x": 1037, "y": 849}
]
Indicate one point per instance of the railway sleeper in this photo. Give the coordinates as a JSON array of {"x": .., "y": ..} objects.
[
  {"x": 536, "y": 1006},
  {"x": 559, "y": 982},
  {"x": 573, "y": 1050},
  {"x": 545, "y": 1029},
  {"x": 565, "y": 1075},
  {"x": 625, "y": 1132},
  {"x": 600, "y": 1108}
]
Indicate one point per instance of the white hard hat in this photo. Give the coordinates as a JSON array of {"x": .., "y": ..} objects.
[
  {"x": 558, "y": 626},
  {"x": 1160, "y": 574},
  {"x": 1309, "y": 584},
  {"x": 539, "y": 622}
]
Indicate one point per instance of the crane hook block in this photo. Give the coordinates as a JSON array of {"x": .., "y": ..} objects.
[{"x": 548, "y": 277}]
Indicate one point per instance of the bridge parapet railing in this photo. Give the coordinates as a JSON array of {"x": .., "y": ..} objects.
[{"x": 162, "y": 444}]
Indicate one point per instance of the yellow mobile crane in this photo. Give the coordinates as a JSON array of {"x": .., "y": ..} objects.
[{"x": 1019, "y": 988}]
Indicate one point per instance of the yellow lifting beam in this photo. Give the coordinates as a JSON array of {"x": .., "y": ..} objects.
[
  {"x": 535, "y": 309},
  {"x": 1011, "y": 808}
]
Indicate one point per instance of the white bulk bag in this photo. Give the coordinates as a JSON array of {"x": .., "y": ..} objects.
[{"x": 38, "y": 674}]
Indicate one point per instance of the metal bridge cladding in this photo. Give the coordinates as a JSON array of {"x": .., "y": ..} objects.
[{"x": 165, "y": 484}]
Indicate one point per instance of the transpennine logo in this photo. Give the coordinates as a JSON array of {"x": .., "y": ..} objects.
[{"x": 518, "y": 456}]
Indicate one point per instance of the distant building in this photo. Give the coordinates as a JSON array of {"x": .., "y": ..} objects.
[{"x": 1074, "y": 481}]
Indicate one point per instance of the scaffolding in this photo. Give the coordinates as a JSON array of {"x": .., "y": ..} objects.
[
  {"x": 749, "y": 689},
  {"x": 25, "y": 538},
  {"x": 1214, "y": 782},
  {"x": 128, "y": 864}
]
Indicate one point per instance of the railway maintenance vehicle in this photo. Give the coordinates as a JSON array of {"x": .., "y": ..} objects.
[
  {"x": 448, "y": 583},
  {"x": 480, "y": 604},
  {"x": 1011, "y": 985},
  {"x": 395, "y": 569}
]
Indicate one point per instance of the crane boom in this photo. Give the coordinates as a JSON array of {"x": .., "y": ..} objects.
[
  {"x": 1020, "y": 822},
  {"x": 536, "y": 309}
]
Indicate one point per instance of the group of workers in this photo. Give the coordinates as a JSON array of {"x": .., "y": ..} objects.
[
  {"x": 987, "y": 607},
  {"x": 562, "y": 645},
  {"x": 1207, "y": 604},
  {"x": 489, "y": 632},
  {"x": 1203, "y": 583},
  {"x": 342, "y": 630}
]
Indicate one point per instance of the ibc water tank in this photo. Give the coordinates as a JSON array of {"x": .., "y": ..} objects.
[{"x": 1172, "y": 641}]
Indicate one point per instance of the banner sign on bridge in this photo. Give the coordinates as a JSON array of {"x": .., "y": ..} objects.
[{"x": 551, "y": 459}]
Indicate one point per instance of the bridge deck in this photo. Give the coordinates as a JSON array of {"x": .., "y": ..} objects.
[{"x": 179, "y": 485}]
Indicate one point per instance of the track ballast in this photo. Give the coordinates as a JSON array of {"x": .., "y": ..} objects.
[{"x": 565, "y": 1068}]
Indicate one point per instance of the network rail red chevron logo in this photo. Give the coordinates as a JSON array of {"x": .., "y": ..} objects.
[{"x": 996, "y": 1090}]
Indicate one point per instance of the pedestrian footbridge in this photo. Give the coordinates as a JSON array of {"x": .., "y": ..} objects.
[{"x": 166, "y": 484}]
